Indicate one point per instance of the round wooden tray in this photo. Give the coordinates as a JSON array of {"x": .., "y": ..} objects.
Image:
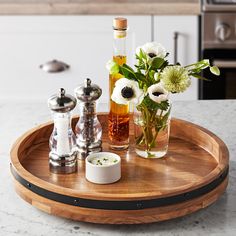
[{"x": 191, "y": 176}]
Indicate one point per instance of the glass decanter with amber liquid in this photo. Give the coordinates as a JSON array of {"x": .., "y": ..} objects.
[{"x": 118, "y": 119}]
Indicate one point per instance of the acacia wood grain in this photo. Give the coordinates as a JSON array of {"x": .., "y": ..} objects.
[
  {"x": 195, "y": 158},
  {"x": 121, "y": 217}
]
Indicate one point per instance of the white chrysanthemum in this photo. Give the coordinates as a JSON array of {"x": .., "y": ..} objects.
[
  {"x": 157, "y": 93},
  {"x": 127, "y": 91},
  {"x": 175, "y": 79},
  {"x": 152, "y": 49}
]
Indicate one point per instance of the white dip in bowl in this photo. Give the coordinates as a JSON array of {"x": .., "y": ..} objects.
[{"x": 103, "y": 168}]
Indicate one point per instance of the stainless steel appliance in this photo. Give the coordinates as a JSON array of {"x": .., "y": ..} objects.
[{"x": 219, "y": 45}]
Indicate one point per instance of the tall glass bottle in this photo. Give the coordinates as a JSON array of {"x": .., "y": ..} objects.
[{"x": 118, "y": 121}]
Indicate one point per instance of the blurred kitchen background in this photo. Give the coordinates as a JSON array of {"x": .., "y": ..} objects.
[{"x": 75, "y": 37}]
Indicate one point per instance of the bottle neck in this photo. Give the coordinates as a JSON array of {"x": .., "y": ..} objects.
[{"x": 119, "y": 43}]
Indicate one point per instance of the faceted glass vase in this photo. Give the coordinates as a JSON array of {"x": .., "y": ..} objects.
[{"x": 152, "y": 132}]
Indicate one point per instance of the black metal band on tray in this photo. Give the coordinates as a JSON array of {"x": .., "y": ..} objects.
[{"x": 120, "y": 205}]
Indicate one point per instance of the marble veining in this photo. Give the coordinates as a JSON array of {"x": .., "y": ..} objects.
[{"x": 19, "y": 218}]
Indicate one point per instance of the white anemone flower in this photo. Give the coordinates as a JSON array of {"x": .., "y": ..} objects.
[
  {"x": 152, "y": 49},
  {"x": 127, "y": 91},
  {"x": 157, "y": 93}
]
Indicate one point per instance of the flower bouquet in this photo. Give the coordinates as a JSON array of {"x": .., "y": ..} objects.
[{"x": 148, "y": 87}]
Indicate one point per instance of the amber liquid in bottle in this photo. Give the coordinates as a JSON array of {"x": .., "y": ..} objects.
[{"x": 118, "y": 118}]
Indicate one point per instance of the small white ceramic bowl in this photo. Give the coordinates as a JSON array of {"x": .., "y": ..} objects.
[{"x": 105, "y": 171}]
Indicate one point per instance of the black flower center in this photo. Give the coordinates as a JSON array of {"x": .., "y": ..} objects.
[
  {"x": 151, "y": 54},
  {"x": 157, "y": 94},
  {"x": 127, "y": 92}
]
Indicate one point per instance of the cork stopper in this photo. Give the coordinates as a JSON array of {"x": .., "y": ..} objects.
[{"x": 120, "y": 23}]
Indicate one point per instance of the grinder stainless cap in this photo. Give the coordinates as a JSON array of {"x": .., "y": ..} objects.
[
  {"x": 88, "y": 92},
  {"x": 62, "y": 102}
]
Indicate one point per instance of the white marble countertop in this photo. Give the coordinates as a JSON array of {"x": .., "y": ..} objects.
[{"x": 19, "y": 218}]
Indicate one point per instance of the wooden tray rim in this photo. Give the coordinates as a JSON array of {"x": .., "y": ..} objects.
[{"x": 22, "y": 172}]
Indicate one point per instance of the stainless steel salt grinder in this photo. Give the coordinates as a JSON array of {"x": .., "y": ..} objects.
[
  {"x": 88, "y": 130},
  {"x": 63, "y": 154}
]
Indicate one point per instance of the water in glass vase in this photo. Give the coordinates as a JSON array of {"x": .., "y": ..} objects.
[{"x": 151, "y": 140}]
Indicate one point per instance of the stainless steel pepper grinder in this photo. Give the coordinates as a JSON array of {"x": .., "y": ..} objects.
[
  {"x": 88, "y": 129},
  {"x": 63, "y": 154}
]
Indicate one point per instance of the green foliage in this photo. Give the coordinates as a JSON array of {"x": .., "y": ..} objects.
[
  {"x": 151, "y": 75},
  {"x": 162, "y": 121},
  {"x": 142, "y": 55},
  {"x": 153, "y": 106},
  {"x": 151, "y": 120},
  {"x": 215, "y": 70},
  {"x": 156, "y": 63},
  {"x": 196, "y": 69},
  {"x": 147, "y": 67},
  {"x": 199, "y": 77},
  {"x": 127, "y": 72},
  {"x": 149, "y": 71},
  {"x": 113, "y": 67},
  {"x": 165, "y": 64}
]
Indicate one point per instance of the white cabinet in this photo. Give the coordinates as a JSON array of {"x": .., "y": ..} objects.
[
  {"x": 83, "y": 42},
  {"x": 187, "y": 44}
]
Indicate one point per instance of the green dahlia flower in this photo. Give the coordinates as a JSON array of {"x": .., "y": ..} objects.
[{"x": 175, "y": 79}]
